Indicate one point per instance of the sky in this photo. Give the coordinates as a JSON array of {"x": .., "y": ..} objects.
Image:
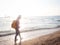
[{"x": 29, "y": 7}]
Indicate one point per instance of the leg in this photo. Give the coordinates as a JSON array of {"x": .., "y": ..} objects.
[
  {"x": 16, "y": 37},
  {"x": 20, "y": 38}
]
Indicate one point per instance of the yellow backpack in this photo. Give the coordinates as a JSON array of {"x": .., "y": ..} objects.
[{"x": 13, "y": 25}]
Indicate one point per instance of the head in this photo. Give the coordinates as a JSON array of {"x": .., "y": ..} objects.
[{"x": 19, "y": 17}]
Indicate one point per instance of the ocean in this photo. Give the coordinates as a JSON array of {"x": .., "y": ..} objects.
[
  {"x": 42, "y": 25},
  {"x": 30, "y": 22}
]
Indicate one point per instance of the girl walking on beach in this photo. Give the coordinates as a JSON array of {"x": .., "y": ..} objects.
[{"x": 15, "y": 25}]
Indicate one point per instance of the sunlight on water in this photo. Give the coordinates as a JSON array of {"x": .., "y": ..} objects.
[
  {"x": 39, "y": 22},
  {"x": 29, "y": 22}
]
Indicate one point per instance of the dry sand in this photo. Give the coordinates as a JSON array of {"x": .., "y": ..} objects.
[{"x": 50, "y": 39}]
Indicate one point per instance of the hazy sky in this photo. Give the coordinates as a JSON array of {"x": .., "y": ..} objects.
[{"x": 29, "y": 7}]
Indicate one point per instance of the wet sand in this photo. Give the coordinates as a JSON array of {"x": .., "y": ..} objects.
[
  {"x": 40, "y": 37},
  {"x": 50, "y": 39}
]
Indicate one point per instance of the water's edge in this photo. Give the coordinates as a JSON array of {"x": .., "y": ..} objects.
[{"x": 11, "y": 33}]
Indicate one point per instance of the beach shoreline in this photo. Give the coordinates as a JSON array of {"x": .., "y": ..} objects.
[
  {"x": 49, "y": 39},
  {"x": 11, "y": 32},
  {"x": 37, "y": 40}
]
